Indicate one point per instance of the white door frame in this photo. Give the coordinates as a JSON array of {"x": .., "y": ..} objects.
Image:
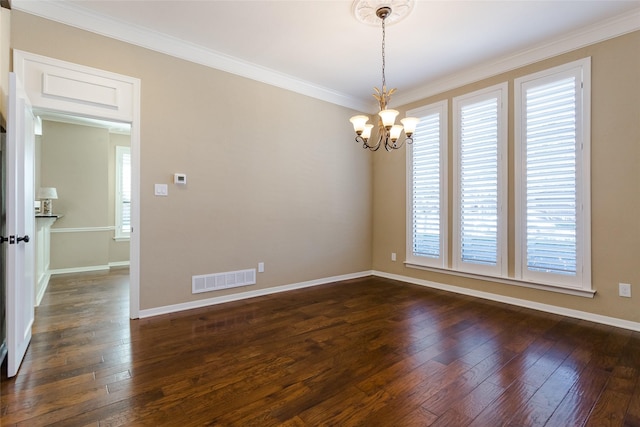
[{"x": 65, "y": 87}]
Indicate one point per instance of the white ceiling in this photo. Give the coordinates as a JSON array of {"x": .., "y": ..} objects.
[{"x": 317, "y": 47}]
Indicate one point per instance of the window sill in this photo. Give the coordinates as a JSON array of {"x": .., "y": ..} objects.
[
  {"x": 508, "y": 281},
  {"x": 122, "y": 239}
]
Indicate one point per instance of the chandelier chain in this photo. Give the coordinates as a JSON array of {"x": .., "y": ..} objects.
[{"x": 384, "y": 80}]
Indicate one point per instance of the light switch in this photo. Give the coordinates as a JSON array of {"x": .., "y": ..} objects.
[{"x": 161, "y": 190}]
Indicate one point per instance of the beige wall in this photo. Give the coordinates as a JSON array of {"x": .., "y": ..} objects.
[
  {"x": 273, "y": 176},
  {"x": 615, "y": 183},
  {"x": 80, "y": 162},
  {"x": 74, "y": 160}
]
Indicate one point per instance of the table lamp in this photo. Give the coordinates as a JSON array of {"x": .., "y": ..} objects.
[{"x": 46, "y": 194}]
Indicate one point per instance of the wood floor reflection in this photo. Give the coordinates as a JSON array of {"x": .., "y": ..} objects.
[{"x": 369, "y": 352}]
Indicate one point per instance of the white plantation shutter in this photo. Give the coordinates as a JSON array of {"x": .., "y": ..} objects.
[
  {"x": 479, "y": 183},
  {"x": 123, "y": 192},
  {"x": 426, "y": 183},
  {"x": 551, "y": 177},
  {"x": 480, "y": 142},
  {"x": 551, "y": 190},
  {"x": 551, "y": 183}
]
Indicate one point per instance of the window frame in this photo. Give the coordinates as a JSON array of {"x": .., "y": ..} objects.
[
  {"x": 441, "y": 108},
  {"x": 581, "y": 70},
  {"x": 120, "y": 151}
]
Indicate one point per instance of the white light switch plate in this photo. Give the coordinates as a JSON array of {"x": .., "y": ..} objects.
[
  {"x": 624, "y": 290},
  {"x": 161, "y": 190}
]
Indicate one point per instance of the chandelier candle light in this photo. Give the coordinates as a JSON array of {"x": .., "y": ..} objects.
[{"x": 388, "y": 131}]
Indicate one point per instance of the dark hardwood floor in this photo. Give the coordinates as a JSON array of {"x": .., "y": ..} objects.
[{"x": 369, "y": 352}]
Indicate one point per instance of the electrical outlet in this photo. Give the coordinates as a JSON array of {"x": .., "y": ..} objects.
[
  {"x": 261, "y": 267},
  {"x": 624, "y": 290},
  {"x": 393, "y": 256}
]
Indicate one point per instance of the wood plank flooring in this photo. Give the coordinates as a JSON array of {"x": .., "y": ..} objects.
[{"x": 367, "y": 352}]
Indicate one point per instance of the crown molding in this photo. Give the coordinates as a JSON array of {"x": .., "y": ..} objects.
[
  {"x": 604, "y": 30},
  {"x": 74, "y": 16}
]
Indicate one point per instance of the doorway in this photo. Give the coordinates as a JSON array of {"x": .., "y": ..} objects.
[
  {"x": 64, "y": 88},
  {"x": 87, "y": 162}
]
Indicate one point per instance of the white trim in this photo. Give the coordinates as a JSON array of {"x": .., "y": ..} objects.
[
  {"x": 88, "y": 268},
  {"x": 442, "y": 109},
  {"x": 116, "y": 264},
  {"x": 79, "y": 269},
  {"x": 43, "y": 283},
  {"x": 79, "y": 18},
  {"x": 84, "y": 87},
  {"x": 76, "y": 16},
  {"x": 500, "y": 92},
  {"x": 588, "y": 293},
  {"x": 132, "y": 108},
  {"x": 134, "y": 245},
  {"x": 547, "y": 308},
  {"x": 599, "y": 32},
  {"x": 581, "y": 70},
  {"x": 83, "y": 229},
  {"x": 156, "y": 311}
]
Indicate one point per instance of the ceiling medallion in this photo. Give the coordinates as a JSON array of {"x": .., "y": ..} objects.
[{"x": 365, "y": 10}]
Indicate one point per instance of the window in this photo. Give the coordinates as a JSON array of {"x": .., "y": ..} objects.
[
  {"x": 480, "y": 191},
  {"x": 552, "y": 166},
  {"x": 427, "y": 165},
  {"x": 123, "y": 192},
  {"x": 550, "y": 244}
]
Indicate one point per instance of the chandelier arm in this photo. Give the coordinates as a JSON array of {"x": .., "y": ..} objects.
[
  {"x": 395, "y": 145},
  {"x": 365, "y": 143}
]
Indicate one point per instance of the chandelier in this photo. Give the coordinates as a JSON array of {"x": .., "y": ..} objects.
[{"x": 388, "y": 132}]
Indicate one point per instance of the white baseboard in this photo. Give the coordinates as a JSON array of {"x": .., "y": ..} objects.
[
  {"x": 89, "y": 268},
  {"x": 576, "y": 314},
  {"x": 119, "y": 264},
  {"x": 245, "y": 295},
  {"x": 42, "y": 285},
  {"x": 79, "y": 269}
]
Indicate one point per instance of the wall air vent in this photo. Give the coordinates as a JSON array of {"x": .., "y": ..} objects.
[{"x": 219, "y": 281}]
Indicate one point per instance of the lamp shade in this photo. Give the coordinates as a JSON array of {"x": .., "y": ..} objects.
[
  {"x": 366, "y": 133},
  {"x": 359, "y": 123},
  {"x": 410, "y": 124},
  {"x": 395, "y": 132},
  {"x": 47, "y": 193},
  {"x": 388, "y": 117}
]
